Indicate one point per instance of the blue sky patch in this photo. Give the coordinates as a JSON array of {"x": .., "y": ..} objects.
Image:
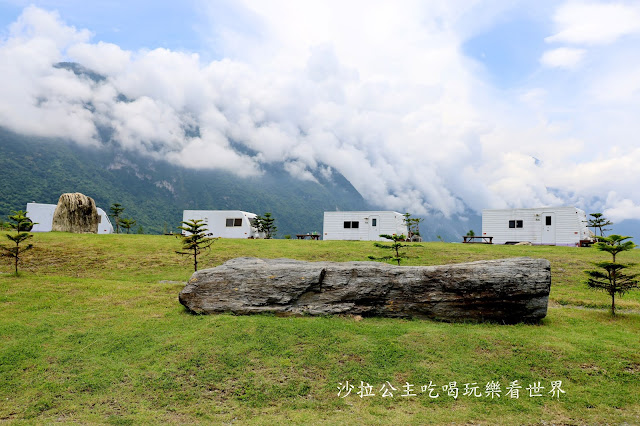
[{"x": 510, "y": 51}]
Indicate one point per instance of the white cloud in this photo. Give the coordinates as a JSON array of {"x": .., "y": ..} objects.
[
  {"x": 563, "y": 57},
  {"x": 213, "y": 151},
  {"x": 36, "y": 23},
  {"x": 621, "y": 84},
  {"x": 534, "y": 97},
  {"x": 579, "y": 22},
  {"x": 624, "y": 208},
  {"x": 615, "y": 170},
  {"x": 299, "y": 170},
  {"x": 103, "y": 58},
  {"x": 37, "y": 98},
  {"x": 379, "y": 93}
]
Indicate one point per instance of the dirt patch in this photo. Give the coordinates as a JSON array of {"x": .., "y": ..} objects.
[
  {"x": 633, "y": 369},
  {"x": 592, "y": 369}
]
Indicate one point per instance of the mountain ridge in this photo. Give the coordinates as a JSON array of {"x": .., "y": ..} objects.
[{"x": 155, "y": 192}]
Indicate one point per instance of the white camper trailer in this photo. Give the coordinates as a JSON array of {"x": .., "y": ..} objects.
[
  {"x": 104, "y": 227},
  {"x": 42, "y": 216},
  {"x": 364, "y": 226},
  {"x": 226, "y": 223},
  {"x": 555, "y": 226}
]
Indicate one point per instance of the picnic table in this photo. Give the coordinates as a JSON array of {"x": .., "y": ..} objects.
[
  {"x": 310, "y": 236},
  {"x": 478, "y": 239}
]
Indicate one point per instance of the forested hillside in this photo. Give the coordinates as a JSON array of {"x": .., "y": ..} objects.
[{"x": 155, "y": 193}]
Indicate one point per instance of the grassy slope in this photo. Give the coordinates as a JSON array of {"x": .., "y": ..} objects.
[{"x": 89, "y": 333}]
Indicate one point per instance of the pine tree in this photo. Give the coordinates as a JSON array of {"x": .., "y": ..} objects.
[
  {"x": 395, "y": 247},
  {"x": 21, "y": 224},
  {"x": 613, "y": 280},
  {"x": 127, "y": 224},
  {"x": 266, "y": 224},
  {"x": 413, "y": 225},
  {"x": 195, "y": 239},
  {"x": 116, "y": 209},
  {"x": 598, "y": 223}
]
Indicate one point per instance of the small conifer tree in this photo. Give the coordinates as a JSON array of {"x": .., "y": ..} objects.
[
  {"x": 413, "y": 226},
  {"x": 127, "y": 224},
  {"x": 266, "y": 224},
  {"x": 395, "y": 246},
  {"x": 20, "y": 224},
  {"x": 194, "y": 239},
  {"x": 116, "y": 209},
  {"x": 598, "y": 223},
  {"x": 612, "y": 279}
]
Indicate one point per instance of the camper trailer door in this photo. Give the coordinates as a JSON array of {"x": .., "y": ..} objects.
[
  {"x": 374, "y": 227},
  {"x": 548, "y": 224}
]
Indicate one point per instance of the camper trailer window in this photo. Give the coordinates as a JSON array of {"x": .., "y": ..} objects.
[
  {"x": 512, "y": 224},
  {"x": 374, "y": 222},
  {"x": 518, "y": 224},
  {"x": 349, "y": 224},
  {"x": 547, "y": 220},
  {"x": 231, "y": 222},
  {"x": 355, "y": 224}
]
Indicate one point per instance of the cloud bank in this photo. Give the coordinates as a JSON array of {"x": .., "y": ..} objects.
[{"x": 382, "y": 94}]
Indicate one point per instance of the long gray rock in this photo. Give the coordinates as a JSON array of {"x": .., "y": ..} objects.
[{"x": 506, "y": 290}]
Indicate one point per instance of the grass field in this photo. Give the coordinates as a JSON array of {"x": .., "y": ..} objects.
[{"x": 92, "y": 332}]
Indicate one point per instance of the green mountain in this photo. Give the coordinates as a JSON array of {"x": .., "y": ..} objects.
[{"x": 155, "y": 193}]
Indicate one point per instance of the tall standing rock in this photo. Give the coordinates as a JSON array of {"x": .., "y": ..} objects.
[
  {"x": 505, "y": 290},
  {"x": 76, "y": 213}
]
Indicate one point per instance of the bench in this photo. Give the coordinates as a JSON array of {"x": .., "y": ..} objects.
[
  {"x": 310, "y": 236},
  {"x": 477, "y": 239}
]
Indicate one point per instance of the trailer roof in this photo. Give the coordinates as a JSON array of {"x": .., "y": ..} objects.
[
  {"x": 531, "y": 208},
  {"x": 364, "y": 211}
]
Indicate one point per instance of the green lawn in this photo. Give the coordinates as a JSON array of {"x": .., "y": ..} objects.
[{"x": 92, "y": 332}]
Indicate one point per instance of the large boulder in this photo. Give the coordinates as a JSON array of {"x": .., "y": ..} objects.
[
  {"x": 506, "y": 290},
  {"x": 76, "y": 213}
]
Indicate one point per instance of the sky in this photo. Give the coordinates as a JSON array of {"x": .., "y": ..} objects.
[{"x": 449, "y": 106}]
